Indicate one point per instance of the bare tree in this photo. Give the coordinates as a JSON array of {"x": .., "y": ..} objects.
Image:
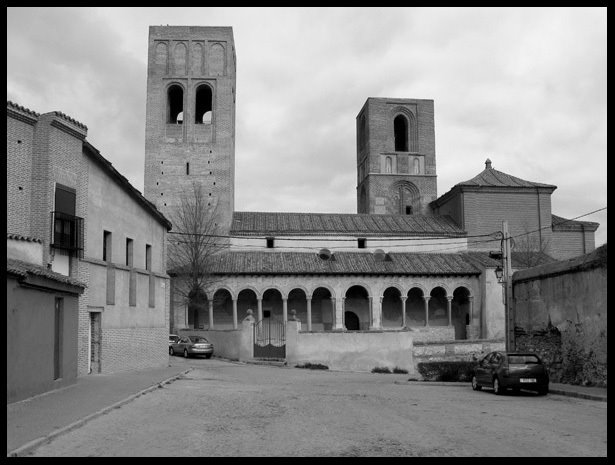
[
  {"x": 530, "y": 248},
  {"x": 193, "y": 243}
]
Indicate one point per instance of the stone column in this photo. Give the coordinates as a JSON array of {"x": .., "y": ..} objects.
[
  {"x": 284, "y": 309},
  {"x": 234, "y": 313},
  {"x": 403, "y": 311},
  {"x": 309, "y": 314},
  {"x": 260, "y": 308},
  {"x": 211, "y": 314},
  {"x": 376, "y": 313},
  {"x": 426, "y": 299},
  {"x": 449, "y": 309},
  {"x": 338, "y": 304}
]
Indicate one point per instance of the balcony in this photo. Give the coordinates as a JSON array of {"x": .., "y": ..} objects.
[{"x": 67, "y": 233}]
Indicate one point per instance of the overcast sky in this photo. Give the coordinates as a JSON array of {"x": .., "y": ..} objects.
[{"x": 525, "y": 87}]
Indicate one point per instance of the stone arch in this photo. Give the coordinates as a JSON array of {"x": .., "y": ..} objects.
[
  {"x": 247, "y": 298},
  {"x": 225, "y": 288},
  {"x": 162, "y": 57},
  {"x": 180, "y": 55},
  {"x": 323, "y": 310},
  {"x": 465, "y": 284},
  {"x": 203, "y": 103},
  {"x": 298, "y": 303},
  {"x": 272, "y": 302},
  {"x": 461, "y": 310},
  {"x": 222, "y": 308},
  {"x": 412, "y": 127},
  {"x": 175, "y": 93},
  {"x": 405, "y": 197},
  {"x": 415, "y": 305},
  {"x": 438, "y": 306},
  {"x": 324, "y": 286},
  {"x": 197, "y": 59},
  {"x": 360, "y": 284},
  {"x": 217, "y": 61},
  {"x": 269, "y": 287},
  {"x": 392, "y": 306},
  {"x": 357, "y": 300},
  {"x": 418, "y": 286}
]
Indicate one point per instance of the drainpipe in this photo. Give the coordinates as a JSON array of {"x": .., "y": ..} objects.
[{"x": 539, "y": 220}]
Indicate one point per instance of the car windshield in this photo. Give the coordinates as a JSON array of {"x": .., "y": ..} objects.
[
  {"x": 198, "y": 339},
  {"x": 522, "y": 359}
]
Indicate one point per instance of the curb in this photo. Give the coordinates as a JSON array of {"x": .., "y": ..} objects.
[
  {"x": 30, "y": 446},
  {"x": 577, "y": 394}
]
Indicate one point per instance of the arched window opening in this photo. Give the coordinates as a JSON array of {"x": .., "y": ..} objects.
[
  {"x": 175, "y": 105},
  {"x": 400, "y": 126},
  {"x": 203, "y": 106},
  {"x": 388, "y": 165},
  {"x": 416, "y": 166}
]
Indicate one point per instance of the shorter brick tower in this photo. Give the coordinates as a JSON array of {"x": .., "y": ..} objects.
[{"x": 396, "y": 156}]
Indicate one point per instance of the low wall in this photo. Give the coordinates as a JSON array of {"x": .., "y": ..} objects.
[
  {"x": 433, "y": 333},
  {"x": 454, "y": 350},
  {"x": 350, "y": 350},
  {"x": 227, "y": 342}
]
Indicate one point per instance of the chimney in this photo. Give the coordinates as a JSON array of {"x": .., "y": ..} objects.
[{"x": 487, "y": 164}]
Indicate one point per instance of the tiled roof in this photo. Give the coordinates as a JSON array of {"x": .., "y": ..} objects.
[
  {"x": 263, "y": 262},
  {"x": 19, "y": 237},
  {"x": 23, "y": 269},
  {"x": 490, "y": 177},
  {"x": 562, "y": 224},
  {"x": 316, "y": 224}
]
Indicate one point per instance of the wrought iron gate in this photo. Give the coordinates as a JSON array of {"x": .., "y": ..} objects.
[{"x": 269, "y": 339}]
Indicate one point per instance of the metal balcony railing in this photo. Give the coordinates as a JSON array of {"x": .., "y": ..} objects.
[{"x": 67, "y": 233}]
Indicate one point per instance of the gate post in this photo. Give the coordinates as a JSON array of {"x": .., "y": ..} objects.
[
  {"x": 246, "y": 339},
  {"x": 292, "y": 341}
]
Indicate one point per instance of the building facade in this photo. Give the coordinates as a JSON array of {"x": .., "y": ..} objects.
[
  {"x": 95, "y": 228},
  {"x": 408, "y": 261}
]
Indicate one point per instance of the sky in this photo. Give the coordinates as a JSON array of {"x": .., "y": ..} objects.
[{"x": 524, "y": 87}]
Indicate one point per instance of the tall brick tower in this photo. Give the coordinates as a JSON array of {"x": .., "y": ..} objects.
[
  {"x": 190, "y": 117},
  {"x": 396, "y": 156}
]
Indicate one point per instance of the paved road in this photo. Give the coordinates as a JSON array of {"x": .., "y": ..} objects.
[{"x": 228, "y": 409}]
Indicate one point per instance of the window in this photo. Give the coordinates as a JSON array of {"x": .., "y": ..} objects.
[
  {"x": 175, "y": 105},
  {"x": 203, "y": 107},
  {"x": 400, "y": 127},
  {"x": 361, "y": 243},
  {"x": 270, "y": 242},
  {"x": 106, "y": 246},
  {"x": 67, "y": 228},
  {"x": 187, "y": 168},
  {"x": 388, "y": 165},
  {"x": 148, "y": 257},
  {"x": 416, "y": 166},
  {"x": 408, "y": 210},
  {"x": 129, "y": 243}
]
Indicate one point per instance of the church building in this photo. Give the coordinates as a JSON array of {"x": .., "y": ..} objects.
[{"x": 408, "y": 266}]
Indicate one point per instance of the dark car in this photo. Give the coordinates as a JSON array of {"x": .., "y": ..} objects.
[
  {"x": 192, "y": 345},
  {"x": 506, "y": 370}
]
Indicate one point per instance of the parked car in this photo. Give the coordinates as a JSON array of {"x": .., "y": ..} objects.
[
  {"x": 192, "y": 345},
  {"x": 173, "y": 338},
  {"x": 506, "y": 370}
]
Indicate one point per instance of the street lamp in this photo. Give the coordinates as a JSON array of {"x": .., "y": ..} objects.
[{"x": 498, "y": 273}]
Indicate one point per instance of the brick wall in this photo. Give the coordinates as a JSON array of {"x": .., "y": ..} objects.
[
  {"x": 19, "y": 145},
  {"x": 134, "y": 348},
  {"x": 569, "y": 244}
]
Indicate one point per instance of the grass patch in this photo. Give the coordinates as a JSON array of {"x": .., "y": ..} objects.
[
  {"x": 312, "y": 366},
  {"x": 381, "y": 370}
]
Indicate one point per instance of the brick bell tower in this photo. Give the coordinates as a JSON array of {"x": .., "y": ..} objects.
[
  {"x": 190, "y": 117},
  {"x": 396, "y": 156}
]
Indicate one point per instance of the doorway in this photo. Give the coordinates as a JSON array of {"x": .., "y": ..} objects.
[{"x": 351, "y": 321}]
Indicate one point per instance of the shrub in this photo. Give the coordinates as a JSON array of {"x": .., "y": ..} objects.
[
  {"x": 400, "y": 370},
  {"x": 381, "y": 370},
  {"x": 312, "y": 366},
  {"x": 457, "y": 370}
]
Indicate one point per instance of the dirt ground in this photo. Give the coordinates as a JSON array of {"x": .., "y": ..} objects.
[{"x": 228, "y": 409}]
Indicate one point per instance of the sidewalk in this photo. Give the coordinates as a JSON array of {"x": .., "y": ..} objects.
[{"x": 32, "y": 421}]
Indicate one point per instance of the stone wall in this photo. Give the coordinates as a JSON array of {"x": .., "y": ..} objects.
[{"x": 561, "y": 313}]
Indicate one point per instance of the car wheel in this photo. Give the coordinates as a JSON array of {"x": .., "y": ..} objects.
[
  {"x": 475, "y": 384},
  {"x": 497, "y": 389},
  {"x": 207, "y": 355},
  {"x": 185, "y": 353},
  {"x": 171, "y": 351}
]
